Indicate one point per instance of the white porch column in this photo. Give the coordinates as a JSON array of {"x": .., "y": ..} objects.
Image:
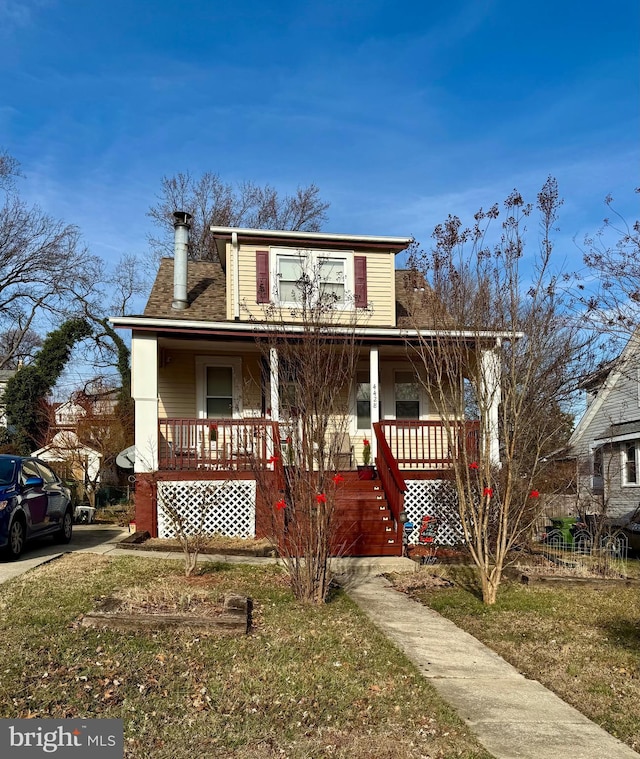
[
  {"x": 274, "y": 384},
  {"x": 144, "y": 390},
  {"x": 490, "y": 400},
  {"x": 374, "y": 382}
]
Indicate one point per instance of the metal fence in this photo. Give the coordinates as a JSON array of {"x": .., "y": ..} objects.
[{"x": 586, "y": 553}]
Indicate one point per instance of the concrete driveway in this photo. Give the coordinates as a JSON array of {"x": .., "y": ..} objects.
[{"x": 95, "y": 538}]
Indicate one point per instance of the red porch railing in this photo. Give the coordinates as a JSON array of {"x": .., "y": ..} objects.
[
  {"x": 225, "y": 444},
  {"x": 424, "y": 445},
  {"x": 392, "y": 480}
]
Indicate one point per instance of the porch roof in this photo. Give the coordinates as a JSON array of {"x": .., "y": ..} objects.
[{"x": 249, "y": 330}]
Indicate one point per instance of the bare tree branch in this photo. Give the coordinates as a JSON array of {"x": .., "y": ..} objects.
[{"x": 211, "y": 201}]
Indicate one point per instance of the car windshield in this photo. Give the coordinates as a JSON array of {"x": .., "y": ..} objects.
[{"x": 7, "y": 470}]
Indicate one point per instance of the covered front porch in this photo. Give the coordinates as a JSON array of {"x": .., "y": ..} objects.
[
  {"x": 214, "y": 406},
  {"x": 218, "y": 411}
]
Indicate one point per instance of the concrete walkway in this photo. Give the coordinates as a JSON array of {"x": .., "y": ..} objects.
[{"x": 514, "y": 718}]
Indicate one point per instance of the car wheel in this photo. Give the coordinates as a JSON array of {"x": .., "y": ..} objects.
[
  {"x": 66, "y": 528},
  {"x": 17, "y": 533}
]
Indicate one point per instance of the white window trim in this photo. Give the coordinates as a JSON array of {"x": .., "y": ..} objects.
[
  {"x": 623, "y": 465},
  {"x": 202, "y": 362},
  {"x": 313, "y": 256}
]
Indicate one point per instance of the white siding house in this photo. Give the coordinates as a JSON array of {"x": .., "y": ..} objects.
[{"x": 606, "y": 441}]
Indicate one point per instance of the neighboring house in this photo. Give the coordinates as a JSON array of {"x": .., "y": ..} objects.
[
  {"x": 67, "y": 414},
  {"x": 5, "y": 376},
  {"x": 202, "y": 388},
  {"x": 77, "y": 439},
  {"x": 76, "y": 460},
  {"x": 606, "y": 441}
]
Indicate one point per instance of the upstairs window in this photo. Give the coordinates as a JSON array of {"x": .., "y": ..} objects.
[
  {"x": 291, "y": 279},
  {"x": 306, "y": 276},
  {"x": 331, "y": 277}
]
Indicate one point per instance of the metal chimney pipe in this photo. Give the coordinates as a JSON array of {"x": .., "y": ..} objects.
[{"x": 180, "y": 255}]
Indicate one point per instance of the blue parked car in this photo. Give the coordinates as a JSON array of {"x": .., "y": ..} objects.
[{"x": 33, "y": 502}]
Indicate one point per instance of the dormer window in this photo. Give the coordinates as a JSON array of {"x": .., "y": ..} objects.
[{"x": 310, "y": 275}]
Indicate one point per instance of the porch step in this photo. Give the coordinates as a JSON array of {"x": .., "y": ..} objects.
[
  {"x": 383, "y": 532},
  {"x": 356, "y": 493},
  {"x": 361, "y": 547},
  {"x": 362, "y": 504}
]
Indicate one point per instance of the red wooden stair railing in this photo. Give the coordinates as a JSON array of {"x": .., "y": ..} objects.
[{"x": 391, "y": 479}]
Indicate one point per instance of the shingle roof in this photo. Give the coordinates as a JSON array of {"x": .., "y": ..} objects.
[
  {"x": 416, "y": 304},
  {"x": 206, "y": 292}
]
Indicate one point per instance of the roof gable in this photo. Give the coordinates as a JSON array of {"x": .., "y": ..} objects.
[{"x": 629, "y": 358}]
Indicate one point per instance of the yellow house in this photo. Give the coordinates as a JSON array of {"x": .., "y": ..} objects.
[{"x": 209, "y": 402}]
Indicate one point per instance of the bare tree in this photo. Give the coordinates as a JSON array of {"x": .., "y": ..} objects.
[
  {"x": 9, "y": 170},
  {"x": 115, "y": 291},
  {"x": 18, "y": 347},
  {"x": 315, "y": 344},
  {"x": 190, "y": 526},
  {"x": 610, "y": 295},
  {"x": 501, "y": 334},
  {"x": 39, "y": 257},
  {"x": 211, "y": 201}
]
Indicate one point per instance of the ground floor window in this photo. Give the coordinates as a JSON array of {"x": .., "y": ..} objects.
[
  {"x": 407, "y": 395},
  {"x": 597, "y": 481},
  {"x": 219, "y": 392},
  {"x": 218, "y": 387},
  {"x": 630, "y": 463}
]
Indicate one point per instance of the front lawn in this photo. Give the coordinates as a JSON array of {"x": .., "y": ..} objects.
[
  {"x": 583, "y": 643},
  {"x": 308, "y": 682}
]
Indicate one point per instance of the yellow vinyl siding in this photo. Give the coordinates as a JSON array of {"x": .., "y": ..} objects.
[
  {"x": 177, "y": 386},
  {"x": 381, "y": 292},
  {"x": 380, "y": 287}
]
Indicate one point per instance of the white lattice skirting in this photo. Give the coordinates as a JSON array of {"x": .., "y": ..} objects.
[
  {"x": 208, "y": 507},
  {"x": 435, "y": 498}
]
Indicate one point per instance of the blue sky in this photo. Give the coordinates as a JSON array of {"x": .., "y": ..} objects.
[{"x": 400, "y": 112}]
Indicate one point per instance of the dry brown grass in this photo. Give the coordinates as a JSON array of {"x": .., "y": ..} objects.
[
  {"x": 216, "y": 543},
  {"x": 581, "y": 642}
]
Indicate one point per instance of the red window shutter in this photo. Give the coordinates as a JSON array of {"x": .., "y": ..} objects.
[
  {"x": 360, "y": 272},
  {"x": 262, "y": 277}
]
